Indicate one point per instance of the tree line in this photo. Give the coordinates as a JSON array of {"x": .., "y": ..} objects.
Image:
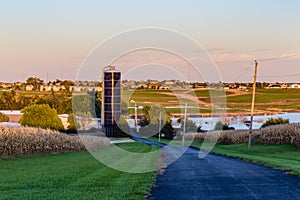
[{"x": 61, "y": 102}]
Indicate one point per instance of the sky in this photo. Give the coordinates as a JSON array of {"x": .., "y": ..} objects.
[{"x": 52, "y": 39}]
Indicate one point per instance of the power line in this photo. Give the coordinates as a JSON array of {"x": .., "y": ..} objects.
[
  {"x": 290, "y": 75},
  {"x": 277, "y": 58},
  {"x": 243, "y": 72}
]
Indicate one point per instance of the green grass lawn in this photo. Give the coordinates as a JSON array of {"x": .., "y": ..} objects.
[
  {"x": 286, "y": 100},
  {"x": 72, "y": 176},
  {"x": 267, "y": 95},
  {"x": 284, "y": 157},
  {"x": 207, "y": 93}
]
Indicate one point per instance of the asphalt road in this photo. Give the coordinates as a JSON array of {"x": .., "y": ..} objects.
[{"x": 218, "y": 177}]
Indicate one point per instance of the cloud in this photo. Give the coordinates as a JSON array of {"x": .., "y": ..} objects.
[{"x": 233, "y": 57}]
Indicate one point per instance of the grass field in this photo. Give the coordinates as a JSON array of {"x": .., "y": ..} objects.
[
  {"x": 268, "y": 95},
  {"x": 269, "y": 100},
  {"x": 72, "y": 176},
  {"x": 284, "y": 156},
  {"x": 207, "y": 93}
]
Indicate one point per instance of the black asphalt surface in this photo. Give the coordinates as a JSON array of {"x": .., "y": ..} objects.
[{"x": 218, "y": 177}]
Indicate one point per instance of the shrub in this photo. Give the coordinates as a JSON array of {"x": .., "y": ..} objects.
[
  {"x": 275, "y": 121},
  {"x": 72, "y": 126},
  {"x": 167, "y": 131},
  {"x": 82, "y": 120},
  {"x": 3, "y": 117},
  {"x": 220, "y": 126},
  {"x": 190, "y": 126},
  {"x": 41, "y": 116}
]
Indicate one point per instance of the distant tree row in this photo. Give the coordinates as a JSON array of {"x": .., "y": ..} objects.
[{"x": 61, "y": 102}]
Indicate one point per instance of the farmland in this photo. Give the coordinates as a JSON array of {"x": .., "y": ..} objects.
[
  {"x": 268, "y": 101},
  {"x": 237, "y": 102},
  {"x": 74, "y": 175}
]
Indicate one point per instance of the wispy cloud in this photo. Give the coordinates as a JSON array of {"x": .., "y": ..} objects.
[{"x": 233, "y": 57}]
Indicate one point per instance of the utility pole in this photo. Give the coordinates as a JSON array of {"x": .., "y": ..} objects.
[
  {"x": 252, "y": 106},
  {"x": 135, "y": 116},
  {"x": 159, "y": 126},
  {"x": 184, "y": 124}
]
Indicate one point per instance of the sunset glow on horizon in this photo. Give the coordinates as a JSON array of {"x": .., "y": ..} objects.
[{"x": 52, "y": 38}]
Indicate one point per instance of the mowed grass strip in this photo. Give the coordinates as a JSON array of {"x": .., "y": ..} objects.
[
  {"x": 72, "y": 176},
  {"x": 280, "y": 156}
]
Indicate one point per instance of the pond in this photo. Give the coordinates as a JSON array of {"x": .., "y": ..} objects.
[{"x": 208, "y": 123}]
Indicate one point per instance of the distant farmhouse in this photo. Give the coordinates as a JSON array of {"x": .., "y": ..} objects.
[
  {"x": 277, "y": 86},
  {"x": 295, "y": 85},
  {"x": 14, "y": 116}
]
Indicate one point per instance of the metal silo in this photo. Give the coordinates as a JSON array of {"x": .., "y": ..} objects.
[{"x": 111, "y": 100}]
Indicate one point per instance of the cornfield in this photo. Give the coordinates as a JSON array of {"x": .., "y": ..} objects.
[
  {"x": 276, "y": 134},
  {"x": 281, "y": 134},
  {"x": 230, "y": 136},
  {"x": 21, "y": 141}
]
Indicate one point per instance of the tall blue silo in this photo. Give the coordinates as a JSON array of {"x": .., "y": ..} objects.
[{"x": 111, "y": 100}]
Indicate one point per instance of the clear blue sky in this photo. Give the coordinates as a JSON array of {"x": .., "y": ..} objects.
[{"x": 54, "y": 36}]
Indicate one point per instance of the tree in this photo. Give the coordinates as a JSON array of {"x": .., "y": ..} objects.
[
  {"x": 67, "y": 84},
  {"x": 190, "y": 126},
  {"x": 152, "y": 114},
  {"x": 3, "y": 117},
  {"x": 82, "y": 120},
  {"x": 35, "y": 82},
  {"x": 71, "y": 120},
  {"x": 82, "y": 103},
  {"x": 220, "y": 126},
  {"x": 167, "y": 131},
  {"x": 275, "y": 121},
  {"x": 98, "y": 103},
  {"x": 8, "y": 100},
  {"x": 41, "y": 116}
]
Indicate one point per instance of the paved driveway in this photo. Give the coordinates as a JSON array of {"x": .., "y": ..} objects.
[{"x": 218, "y": 177}]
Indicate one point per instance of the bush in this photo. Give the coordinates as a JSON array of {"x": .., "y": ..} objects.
[
  {"x": 41, "y": 116},
  {"x": 72, "y": 126},
  {"x": 167, "y": 131},
  {"x": 190, "y": 126},
  {"x": 3, "y": 117},
  {"x": 220, "y": 126},
  {"x": 275, "y": 121},
  {"x": 152, "y": 130}
]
